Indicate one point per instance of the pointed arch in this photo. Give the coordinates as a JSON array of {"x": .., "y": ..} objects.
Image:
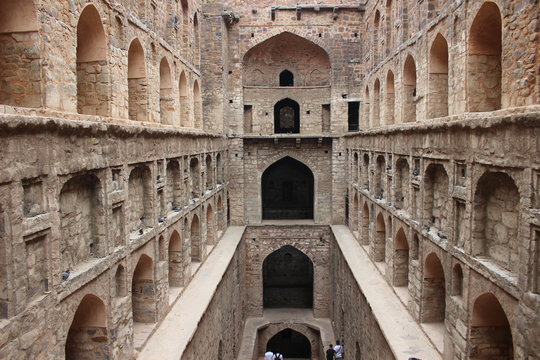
[
  {"x": 290, "y": 342},
  {"x": 287, "y": 188},
  {"x": 166, "y": 101},
  {"x": 433, "y": 290},
  {"x": 137, "y": 83},
  {"x": 92, "y": 65},
  {"x": 286, "y": 116},
  {"x": 366, "y": 109},
  {"x": 484, "y": 67},
  {"x": 377, "y": 103},
  {"x": 210, "y": 226},
  {"x": 287, "y": 279},
  {"x": 143, "y": 301},
  {"x": 197, "y": 105},
  {"x": 286, "y": 78},
  {"x": 195, "y": 236},
  {"x": 390, "y": 100},
  {"x": 401, "y": 259},
  {"x": 184, "y": 100},
  {"x": 176, "y": 263},
  {"x": 88, "y": 334},
  {"x": 197, "y": 40},
  {"x": 438, "y": 78},
  {"x": 490, "y": 335},
  {"x": 378, "y": 246},
  {"x": 409, "y": 90}
]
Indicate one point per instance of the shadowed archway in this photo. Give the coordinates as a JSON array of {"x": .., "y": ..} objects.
[
  {"x": 287, "y": 279},
  {"x": 291, "y": 344},
  {"x": 287, "y": 190}
]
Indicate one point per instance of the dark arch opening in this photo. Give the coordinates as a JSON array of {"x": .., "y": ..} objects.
[
  {"x": 287, "y": 279},
  {"x": 291, "y": 344},
  {"x": 287, "y": 116},
  {"x": 287, "y": 190},
  {"x": 286, "y": 78}
]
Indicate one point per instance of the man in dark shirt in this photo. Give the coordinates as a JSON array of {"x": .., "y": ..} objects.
[{"x": 330, "y": 353}]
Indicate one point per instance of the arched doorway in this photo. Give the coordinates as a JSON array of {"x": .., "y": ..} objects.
[
  {"x": 290, "y": 343},
  {"x": 88, "y": 337},
  {"x": 287, "y": 279},
  {"x": 287, "y": 116},
  {"x": 287, "y": 190}
]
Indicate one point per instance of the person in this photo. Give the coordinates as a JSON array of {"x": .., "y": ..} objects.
[
  {"x": 330, "y": 353},
  {"x": 278, "y": 356},
  {"x": 268, "y": 355},
  {"x": 339, "y": 350}
]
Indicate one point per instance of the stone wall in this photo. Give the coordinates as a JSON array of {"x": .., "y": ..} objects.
[
  {"x": 354, "y": 323},
  {"x": 261, "y": 241}
]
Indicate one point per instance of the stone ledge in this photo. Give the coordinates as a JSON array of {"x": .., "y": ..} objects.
[
  {"x": 172, "y": 337},
  {"x": 403, "y": 334}
]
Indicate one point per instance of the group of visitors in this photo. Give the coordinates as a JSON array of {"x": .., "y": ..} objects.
[
  {"x": 335, "y": 352},
  {"x": 270, "y": 355}
]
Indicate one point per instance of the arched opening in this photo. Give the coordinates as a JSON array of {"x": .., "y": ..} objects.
[
  {"x": 175, "y": 199},
  {"x": 88, "y": 336},
  {"x": 433, "y": 291},
  {"x": 161, "y": 248},
  {"x": 209, "y": 172},
  {"x": 287, "y": 279},
  {"x": 291, "y": 344},
  {"x": 140, "y": 199},
  {"x": 365, "y": 171},
  {"x": 380, "y": 174},
  {"x": 490, "y": 334},
  {"x": 376, "y": 31},
  {"x": 166, "y": 100},
  {"x": 402, "y": 177},
  {"x": 364, "y": 238},
  {"x": 195, "y": 236},
  {"x": 287, "y": 51},
  {"x": 120, "y": 281},
  {"x": 366, "y": 113},
  {"x": 210, "y": 226},
  {"x": 20, "y": 50},
  {"x": 92, "y": 65},
  {"x": 354, "y": 216},
  {"x": 287, "y": 116},
  {"x": 401, "y": 259},
  {"x": 457, "y": 280},
  {"x": 176, "y": 264},
  {"x": 197, "y": 105},
  {"x": 354, "y": 169},
  {"x": 378, "y": 247},
  {"x": 184, "y": 100},
  {"x": 219, "y": 170},
  {"x": 287, "y": 188},
  {"x": 143, "y": 302},
  {"x": 389, "y": 26},
  {"x": 195, "y": 178},
  {"x": 197, "y": 42},
  {"x": 377, "y": 103},
  {"x": 137, "y": 84},
  {"x": 436, "y": 197},
  {"x": 220, "y": 217},
  {"x": 409, "y": 90},
  {"x": 438, "y": 78},
  {"x": 496, "y": 220},
  {"x": 484, "y": 68},
  {"x": 390, "y": 98},
  {"x": 286, "y": 78},
  {"x": 415, "y": 250},
  {"x": 81, "y": 221}
]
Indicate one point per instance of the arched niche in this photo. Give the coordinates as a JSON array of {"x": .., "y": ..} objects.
[
  {"x": 287, "y": 279},
  {"x": 20, "y": 54},
  {"x": 438, "y": 78},
  {"x": 176, "y": 263},
  {"x": 401, "y": 259},
  {"x": 287, "y": 188},
  {"x": 195, "y": 236},
  {"x": 88, "y": 336},
  {"x": 409, "y": 90},
  {"x": 291, "y": 344},
  {"x": 140, "y": 198},
  {"x": 433, "y": 290},
  {"x": 184, "y": 100},
  {"x": 210, "y": 226},
  {"x": 378, "y": 247},
  {"x": 390, "y": 100},
  {"x": 490, "y": 333},
  {"x": 137, "y": 82},
  {"x": 287, "y": 116},
  {"x": 143, "y": 290},
  {"x": 166, "y": 100},
  {"x": 197, "y": 105},
  {"x": 286, "y": 78},
  {"x": 284, "y": 51}
]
